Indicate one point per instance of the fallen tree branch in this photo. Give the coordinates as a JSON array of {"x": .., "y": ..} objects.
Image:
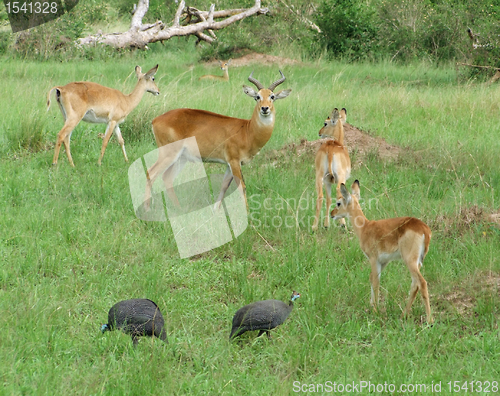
[
  {"x": 139, "y": 35},
  {"x": 478, "y": 66},
  {"x": 493, "y": 79}
]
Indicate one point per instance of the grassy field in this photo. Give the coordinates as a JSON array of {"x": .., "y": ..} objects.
[{"x": 71, "y": 245}]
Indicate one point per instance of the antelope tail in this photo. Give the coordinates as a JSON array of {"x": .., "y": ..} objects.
[
  {"x": 330, "y": 171},
  {"x": 48, "y": 97}
]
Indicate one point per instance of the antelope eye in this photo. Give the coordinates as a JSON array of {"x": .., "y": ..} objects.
[
  {"x": 338, "y": 204},
  {"x": 326, "y": 124},
  {"x": 152, "y": 78},
  {"x": 272, "y": 97}
]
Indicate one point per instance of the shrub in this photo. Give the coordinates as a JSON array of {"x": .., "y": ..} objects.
[{"x": 348, "y": 28}]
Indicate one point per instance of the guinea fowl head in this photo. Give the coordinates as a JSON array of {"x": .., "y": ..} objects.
[
  {"x": 295, "y": 295},
  {"x": 105, "y": 327}
]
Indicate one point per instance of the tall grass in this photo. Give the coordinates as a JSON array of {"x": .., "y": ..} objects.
[{"x": 71, "y": 246}]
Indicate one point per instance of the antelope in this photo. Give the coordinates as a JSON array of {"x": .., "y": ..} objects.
[
  {"x": 94, "y": 103},
  {"x": 383, "y": 241},
  {"x": 333, "y": 164},
  {"x": 224, "y": 67},
  {"x": 219, "y": 138}
]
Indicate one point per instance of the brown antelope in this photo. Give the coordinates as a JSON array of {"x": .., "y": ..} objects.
[
  {"x": 383, "y": 241},
  {"x": 219, "y": 138},
  {"x": 92, "y": 102},
  {"x": 333, "y": 164},
  {"x": 225, "y": 77}
]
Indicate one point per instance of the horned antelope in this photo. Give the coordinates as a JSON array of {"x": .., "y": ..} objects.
[
  {"x": 383, "y": 241},
  {"x": 224, "y": 67},
  {"x": 219, "y": 138},
  {"x": 92, "y": 102},
  {"x": 333, "y": 164}
]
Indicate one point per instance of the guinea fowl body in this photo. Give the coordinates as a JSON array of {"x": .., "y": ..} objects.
[
  {"x": 137, "y": 317},
  {"x": 261, "y": 315}
]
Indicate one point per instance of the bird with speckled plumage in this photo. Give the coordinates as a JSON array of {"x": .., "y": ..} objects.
[
  {"x": 137, "y": 317},
  {"x": 261, "y": 315}
]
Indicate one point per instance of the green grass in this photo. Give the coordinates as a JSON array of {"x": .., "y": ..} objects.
[{"x": 71, "y": 245}]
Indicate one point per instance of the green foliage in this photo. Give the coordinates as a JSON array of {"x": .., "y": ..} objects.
[
  {"x": 348, "y": 28},
  {"x": 55, "y": 39},
  {"x": 402, "y": 31},
  {"x": 411, "y": 29},
  {"x": 30, "y": 135}
]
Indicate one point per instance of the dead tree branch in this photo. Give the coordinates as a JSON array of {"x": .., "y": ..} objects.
[{"x": 195, "y": 23}]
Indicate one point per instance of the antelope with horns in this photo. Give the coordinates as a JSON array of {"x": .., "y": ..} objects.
[
  {"x": 219, "y": 138},
  {"x": 333, "y": 164},
  {"x": 224, "y": 67},
  {"x": 92, "y": 102},
  {"x": 383, "y": 241}
]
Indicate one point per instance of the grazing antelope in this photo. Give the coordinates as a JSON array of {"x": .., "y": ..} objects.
[
  {"x": 219, "y": 138},
  {"x": 224, "y": 67},
  {"x": 382, "y": 241},
  {"x": 92, "y": 102},
  {"x": 333, "y": 164}
]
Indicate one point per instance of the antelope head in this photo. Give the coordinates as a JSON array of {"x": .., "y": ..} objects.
[
  {"x": 265, "y": 97},
  {"x": 148, "y": 78},
  {"x": 331, "y": 126}
]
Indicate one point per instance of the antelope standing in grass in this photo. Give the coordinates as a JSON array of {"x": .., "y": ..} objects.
[
  {"x": 219, "y": 138},
  {"x": 383, "y": 241},
  {"x": 92, "y": 102},
  {"x": 333, "y": 165},
  {"x": 224, "y": 67}
]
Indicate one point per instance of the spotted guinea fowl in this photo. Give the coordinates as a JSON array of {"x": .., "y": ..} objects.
[
  {"x": 137, "y": 317},
  {"x": 261, "y": 315}
]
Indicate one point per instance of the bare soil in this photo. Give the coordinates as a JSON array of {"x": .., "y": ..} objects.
[
  {"x": 262, "y": 59},
  {"x": 358, "y": 142},
  {"x": 464, "y": 297}
]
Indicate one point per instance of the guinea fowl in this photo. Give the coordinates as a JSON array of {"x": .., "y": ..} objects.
[
  {"x": 261, "y": 315},
  {"x": 137, "y": 317}
]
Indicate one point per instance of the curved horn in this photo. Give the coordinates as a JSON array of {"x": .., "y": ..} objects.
[
  {"x": 277, "y": 82},
  {"x": 256, "y": 82}
]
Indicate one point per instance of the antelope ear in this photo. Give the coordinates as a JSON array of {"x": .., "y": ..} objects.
[
  {"x": 343, "y": 115},
  {"x": 250, "y": 91},
  {"x": 355, "y": 189},
  {"x": 229, "y": 61},
  {"x": 152, "y": 72},
  {"x": 282, "y": 94},
  {"x": 345, "y": 193},
  {"x": 138, "y": 71}
]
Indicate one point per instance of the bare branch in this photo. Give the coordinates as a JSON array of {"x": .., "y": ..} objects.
[
  {"x": 179, "y": 12},
  {"x": 139, "y": 12},
  {"x": 139, "y": 35}
]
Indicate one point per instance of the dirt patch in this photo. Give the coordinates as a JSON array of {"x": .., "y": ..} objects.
[
  {"x": 494, "y": 218},
  {"x": 262, "y": 59},
  {"x": 360, "y": 144},
  {"x": 463, "y": 298},
  {"x": 468, "y": 218}
]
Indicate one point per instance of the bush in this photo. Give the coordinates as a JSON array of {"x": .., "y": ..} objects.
[{"x": 348, "y": 28}]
